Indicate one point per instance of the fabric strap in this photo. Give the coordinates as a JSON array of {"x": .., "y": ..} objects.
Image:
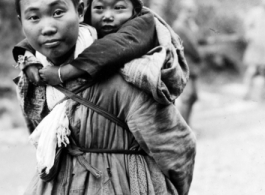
[
  {"x": 92, "y": 106},
  {"x": 79, "y": 152}
]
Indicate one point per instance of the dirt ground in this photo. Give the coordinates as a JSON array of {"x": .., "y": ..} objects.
[
  {"x": 230, "y": 148},
  {"x": 230, "y": 151}
]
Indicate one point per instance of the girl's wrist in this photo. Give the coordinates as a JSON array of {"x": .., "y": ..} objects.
[{"x": 64, "y": 72}]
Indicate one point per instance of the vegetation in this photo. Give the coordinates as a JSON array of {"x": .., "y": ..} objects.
[{"x": 10, "y": 31}]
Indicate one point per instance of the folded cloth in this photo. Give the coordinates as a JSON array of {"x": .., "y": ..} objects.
[{"x": 52, "y": 131}]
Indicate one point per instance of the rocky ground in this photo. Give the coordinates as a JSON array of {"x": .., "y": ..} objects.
[{"x": 230, "y": 149}]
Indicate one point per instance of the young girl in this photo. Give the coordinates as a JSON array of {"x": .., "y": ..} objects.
[{"x": 152, "y": 154}]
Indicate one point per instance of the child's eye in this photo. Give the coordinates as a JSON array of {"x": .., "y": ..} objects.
[
  {"x": 119, "y": 7},
  {"x": 58, "y": 13}
]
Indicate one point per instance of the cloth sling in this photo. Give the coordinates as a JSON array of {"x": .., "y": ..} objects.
[{"x": 77, "y": 151}]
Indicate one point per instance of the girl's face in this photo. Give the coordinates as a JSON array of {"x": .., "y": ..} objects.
[
  {"x": 51, "y": 26},
  {"x": 107, "y": 16}
]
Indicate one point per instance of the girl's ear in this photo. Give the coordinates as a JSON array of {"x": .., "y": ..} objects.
[
  {"x": 19, "y": 18},
  {"x": 80, "y": 10}
]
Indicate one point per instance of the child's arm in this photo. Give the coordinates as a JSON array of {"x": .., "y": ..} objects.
[{"x": 133, "y": 40}]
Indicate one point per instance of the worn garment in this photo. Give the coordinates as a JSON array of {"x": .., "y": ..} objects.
[
  {"x": 159, "y": 130},
  {"x": 169, "y": 141}
]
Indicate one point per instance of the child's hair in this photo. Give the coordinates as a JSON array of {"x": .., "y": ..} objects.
[
  {"x": 17, "y": 5},
  {"x": 137, "y": 5}
]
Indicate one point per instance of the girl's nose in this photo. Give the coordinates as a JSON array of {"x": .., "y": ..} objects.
[{"x": 49, "y": 28}]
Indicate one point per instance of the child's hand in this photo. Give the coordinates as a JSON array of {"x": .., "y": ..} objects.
[
  {"x": 30, "y": 65},
  {"x": 32, "y": 72},
  {"x": 49, "y": 74}
]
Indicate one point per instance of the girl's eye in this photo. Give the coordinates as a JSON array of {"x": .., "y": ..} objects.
[
  {"x": 58, "y": 13},
  {"x": 33, "y": 18},
  {"x": 98, "y": 7}
]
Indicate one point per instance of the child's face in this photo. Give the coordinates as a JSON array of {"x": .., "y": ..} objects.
[
  {"x": 107, "y": 16},
  {"x": 51, "y": 26}
]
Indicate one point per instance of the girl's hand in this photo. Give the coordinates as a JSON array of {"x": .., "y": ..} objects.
[{"x": 49, "y": 75}]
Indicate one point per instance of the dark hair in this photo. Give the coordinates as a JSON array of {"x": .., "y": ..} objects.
[{"x": 18, "y": 8}]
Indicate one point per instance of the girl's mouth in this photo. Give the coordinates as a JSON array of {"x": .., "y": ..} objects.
[{"x": 51, "y": 43}]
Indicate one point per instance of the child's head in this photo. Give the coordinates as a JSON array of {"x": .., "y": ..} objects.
[
  {"x": 107, "y": 16},
  {"x": 51, "y": 26}
]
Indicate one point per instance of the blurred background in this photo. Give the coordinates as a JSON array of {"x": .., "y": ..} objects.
[{"x": 229, "y": 127}]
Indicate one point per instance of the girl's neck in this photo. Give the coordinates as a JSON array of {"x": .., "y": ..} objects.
[{"x": 63, "y": 59}]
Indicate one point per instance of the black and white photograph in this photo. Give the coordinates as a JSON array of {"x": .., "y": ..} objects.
[{"x": 132, "y": 97}]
